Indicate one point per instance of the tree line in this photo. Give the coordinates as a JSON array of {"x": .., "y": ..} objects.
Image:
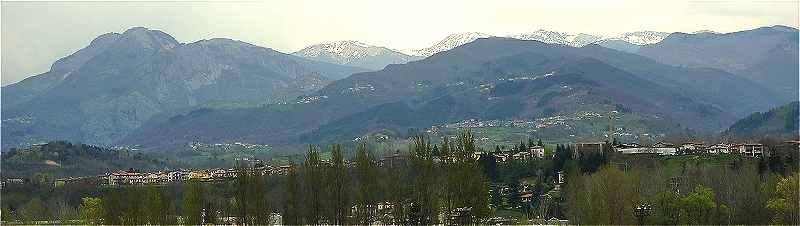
[
  {"x": 421, "y": 187},
  {"x": 723, "y": 189},
  {"x": 445, "y": 183}
]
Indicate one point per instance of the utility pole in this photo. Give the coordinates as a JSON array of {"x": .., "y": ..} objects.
[{"x": 611, "y": 119}]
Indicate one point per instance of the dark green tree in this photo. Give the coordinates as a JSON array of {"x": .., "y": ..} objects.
[
  {"x": 666, "y": 208},
  {"x": 250, "y": 197},
  {"x": 193, "y": 203},
  {"x": 426, "y": 197},
  {"x": 157, "y": 207},
  {"x": 312, "y": 186},
  {"x": 292, "y": 205},
  {"x": 112, "y": 207},
  {"x": 338, "y": 187},
  {"x": 700, "y": 207},
  {"x": 366, "y": 185},
  {"x": 91, "y": 210},
  {"x": 35, "y": 210}
]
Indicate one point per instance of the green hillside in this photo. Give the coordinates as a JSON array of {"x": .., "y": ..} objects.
[
  {"x": 780, "y": 121},
  {"x": 63, "y": 159}
]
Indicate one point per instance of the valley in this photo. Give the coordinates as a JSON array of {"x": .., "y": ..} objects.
[{"x": 325, "y": 122}]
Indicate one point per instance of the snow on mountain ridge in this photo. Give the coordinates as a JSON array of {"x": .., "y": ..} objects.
[
  {"x": 345, "y": 52},
  {"x": 641, "y": 37},
  {"x": 582, "y": 39},
  {"x": 637, "y": 38},
  {"x": 449, "y": 42},
  {"x": 554, "y": 37},
  {"x": 354, "y": 53},
  {"x": 346, "y": 49}
]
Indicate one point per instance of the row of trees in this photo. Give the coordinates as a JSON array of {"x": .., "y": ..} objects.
[
  {"x": 445, "y": 183},
  {"x": 241, "y": 201},
  {"x": 133, "y": 205},
  {"x": 682, "y": 191},
  {"x": 423, "y": 187},
  {"x": 420, "y": 189}
]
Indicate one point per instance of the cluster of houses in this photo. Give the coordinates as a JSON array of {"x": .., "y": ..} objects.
[
  {"x": 532, "y": 151},
  {"x": 744, "y": 149},
  {"x": 134, "y": 177},
  {"x": 558, "y": 120},
  {"x": 528, "y": 152},
  {"x": 6, "y": 181},
  {"x": 197, "y": 146}
]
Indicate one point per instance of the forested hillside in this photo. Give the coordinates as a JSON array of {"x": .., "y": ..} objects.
[
  {"x": 62, "y": 159},
  {"x": 494, "y": 78},
  {"x": 780, "y": 121}
]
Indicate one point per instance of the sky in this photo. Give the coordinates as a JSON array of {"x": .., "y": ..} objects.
[{"x": 35, "y": 34}]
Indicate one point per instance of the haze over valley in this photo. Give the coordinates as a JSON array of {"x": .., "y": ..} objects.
[
  {"x": 608, "y": 112},
  {"x": 141, "y": 87}
]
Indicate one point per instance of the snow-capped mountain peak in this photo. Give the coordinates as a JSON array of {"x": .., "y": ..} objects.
[
  {"x": 641, "y": 37},
  {"x": 581, "y": 39},
  {"x": 354, "y": 53},
  {"x": 448, "y": 43},
  {"x": 554, "y": 37},
  {"x": 347, "y": 50}
]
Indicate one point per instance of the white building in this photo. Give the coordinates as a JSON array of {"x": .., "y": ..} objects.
[
  {"x": 750, "y": 150},
  {"x": 537, "y": 151},
  {"x": 692, "y": 148},
  {"x": 720, "y": 148},
  {"x": 658, "y": 148}
]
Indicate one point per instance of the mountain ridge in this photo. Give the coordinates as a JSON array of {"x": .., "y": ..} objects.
[
  {"x": 766, "y": 55},
  {"x": 778, "y": 121},
  {"x": 458, "y": 84},
  {"x": 105, "y": 90},
  {"x": 354, "y": 53},
  {"x": 143, "y": 87},
  {"x": 449, "y": 42}
]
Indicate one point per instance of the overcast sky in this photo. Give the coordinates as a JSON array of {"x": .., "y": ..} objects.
[{"x": 35, "y": 34}]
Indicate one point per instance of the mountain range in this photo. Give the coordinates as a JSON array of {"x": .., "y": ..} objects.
[
  {"x": 109, "y": 88},
  {"x": 448, "y": 43},
  {"x": 490, "y": 78},
  {"x": 142, "y": 87},
  {"x": 766, "y": 55},
  {"x": 552, "y": 37},
  {"x": 632, "y": 41},
  {"x": 354, "y": 53}
]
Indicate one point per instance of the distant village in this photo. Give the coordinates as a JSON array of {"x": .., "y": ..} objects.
[
  {"x": 754, "y": 150},
  {"x": 136, "y": 177},
  {"x": 514, "y": 152},
  {"x": 531, "y": 151},
  {"x": 545, "y": 122}
]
